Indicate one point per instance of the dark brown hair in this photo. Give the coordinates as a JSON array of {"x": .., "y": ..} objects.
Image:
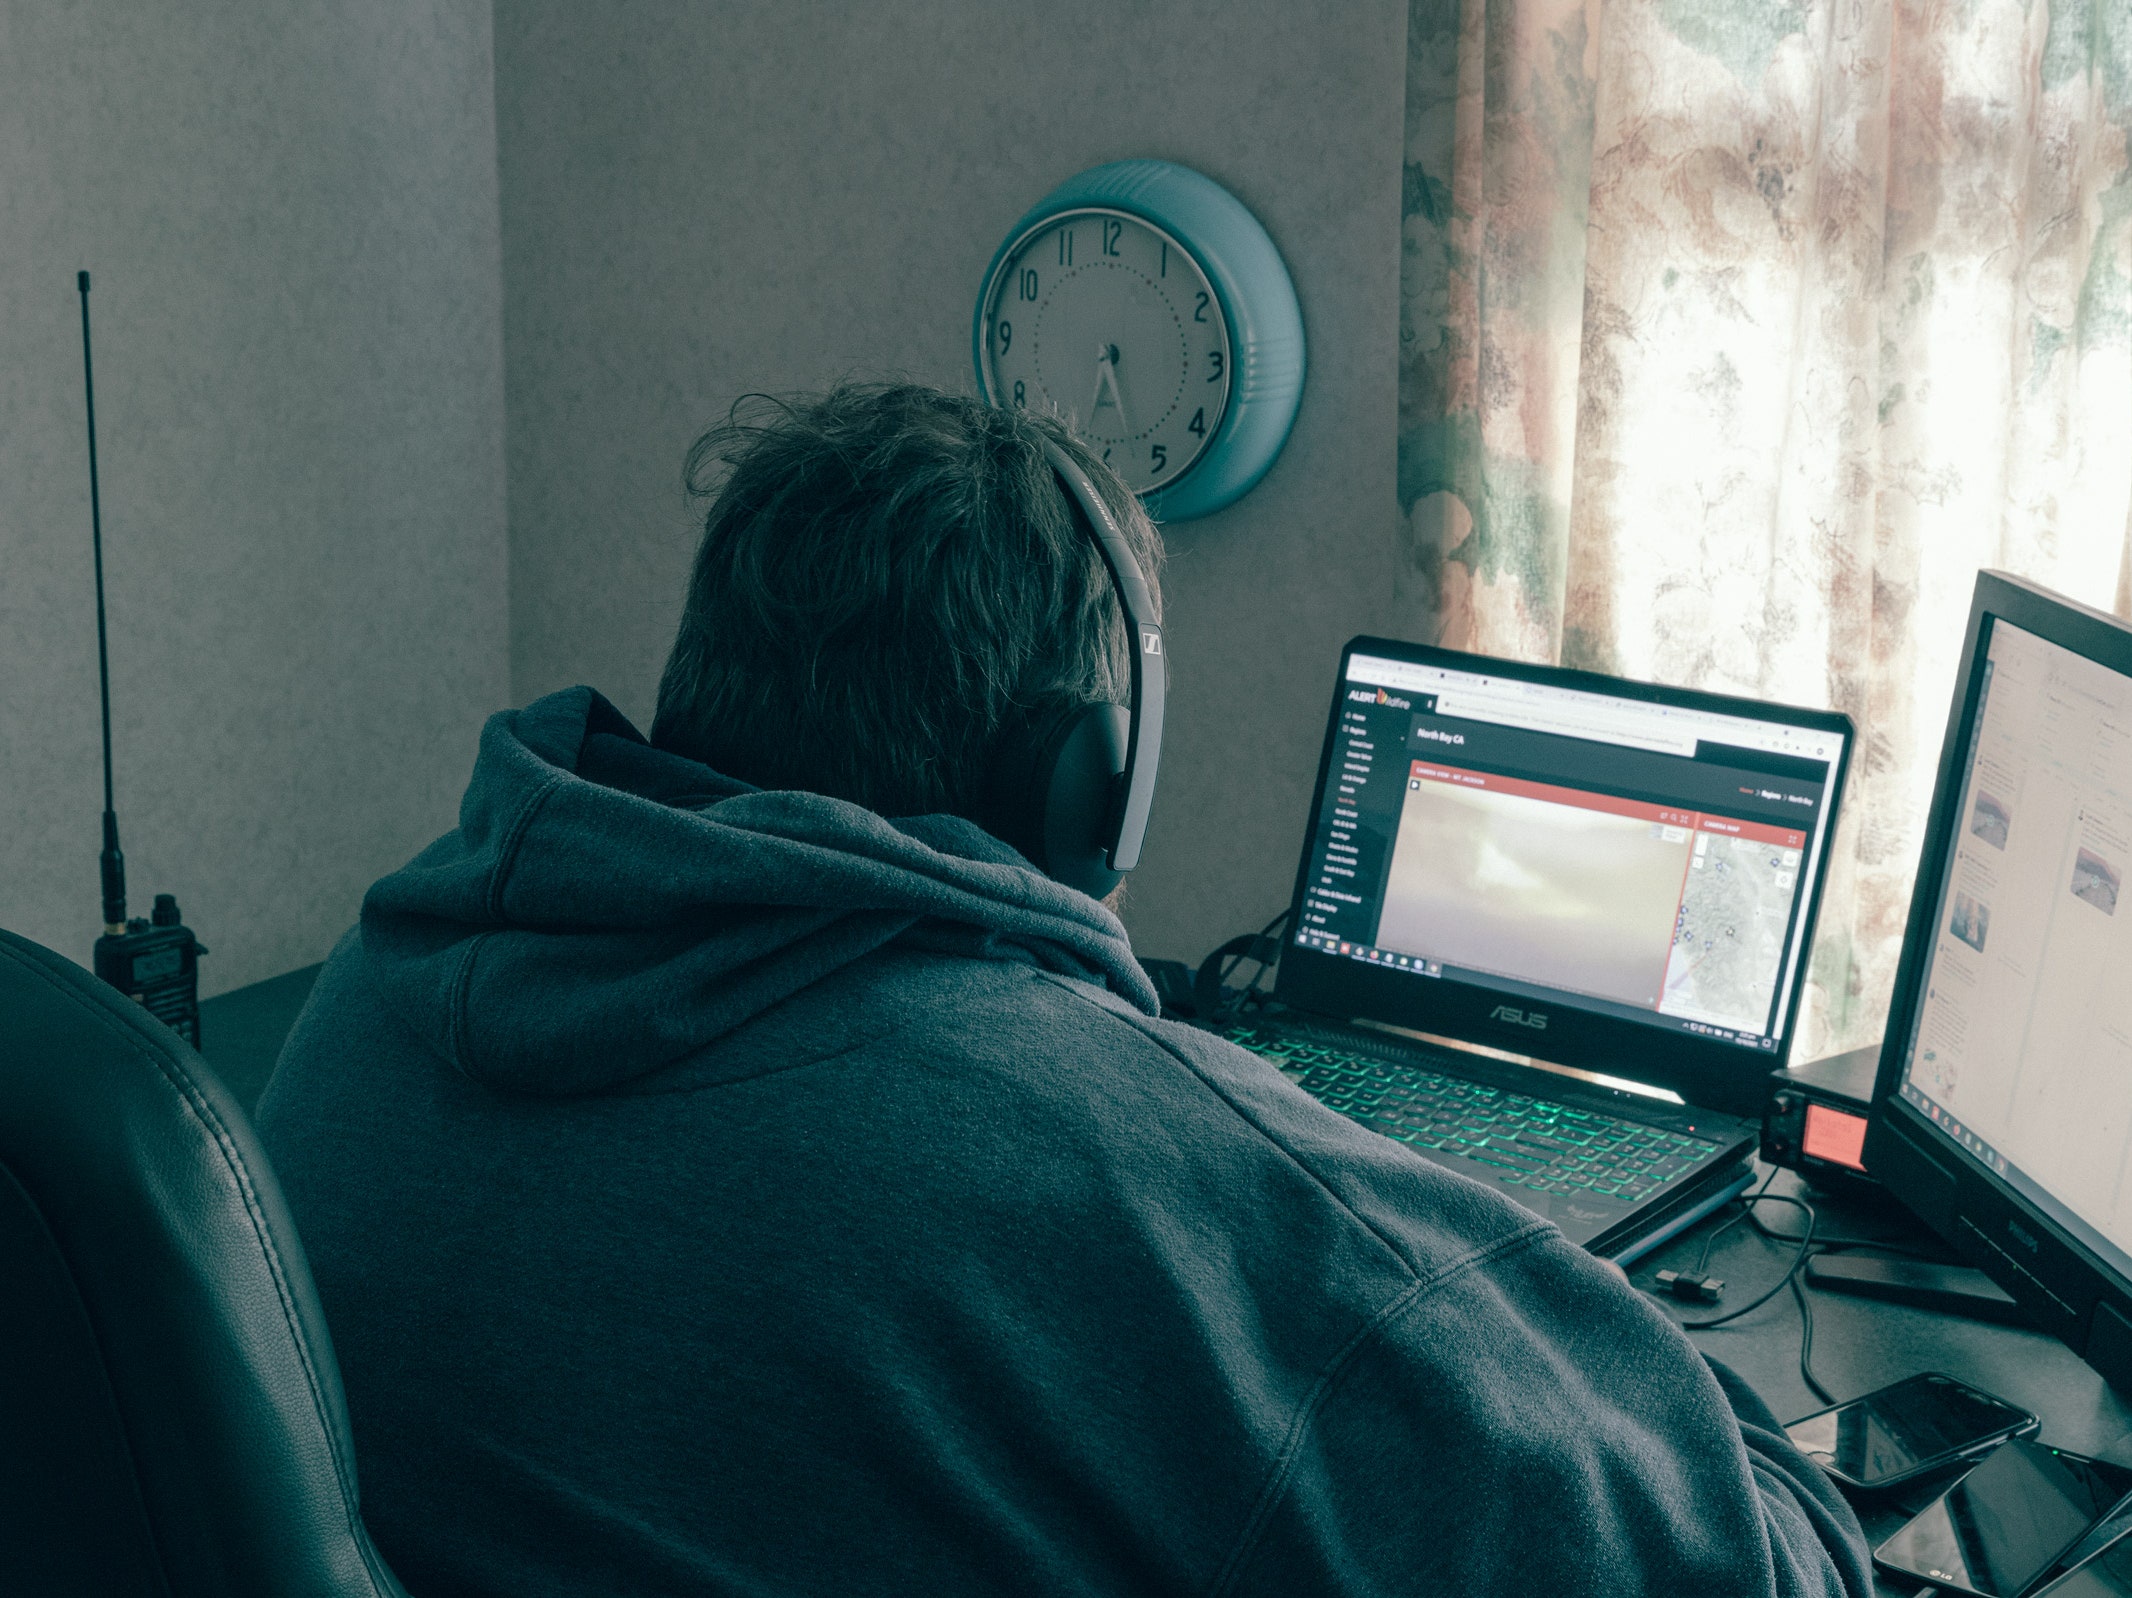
[{"x": 889, "y": 577}]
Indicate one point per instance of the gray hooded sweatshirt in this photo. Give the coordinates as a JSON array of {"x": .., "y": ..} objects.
[{"x": 715, "y": 1191}]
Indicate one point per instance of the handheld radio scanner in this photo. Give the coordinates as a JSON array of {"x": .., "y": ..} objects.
[{"x": 156, "y": 961}]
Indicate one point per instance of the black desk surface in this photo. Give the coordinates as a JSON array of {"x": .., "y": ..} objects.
[
  {"x": 1862, "y": 1344},
  {"x": 1859, "y": 1344}
]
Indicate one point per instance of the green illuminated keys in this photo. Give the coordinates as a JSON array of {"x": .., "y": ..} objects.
[{"x": 1526, "y": 1142}]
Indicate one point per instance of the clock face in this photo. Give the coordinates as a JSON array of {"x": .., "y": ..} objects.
[{"x": 1109, "y": 322}]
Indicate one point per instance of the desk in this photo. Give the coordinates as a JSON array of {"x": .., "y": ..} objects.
[{"x": 1861, "y": 1344}]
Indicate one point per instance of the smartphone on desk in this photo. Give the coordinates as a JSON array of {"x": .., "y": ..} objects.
[
  {"x": 2104, "y": 1574},
  {"x": 2011, "y": 1524},
  {"x": 1908, "y": 1430}
]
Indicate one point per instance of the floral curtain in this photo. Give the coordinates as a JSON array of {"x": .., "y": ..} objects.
[{"x": 1736, "y": 335}]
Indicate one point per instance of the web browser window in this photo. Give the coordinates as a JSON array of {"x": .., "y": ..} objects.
[
  {"x": 1637, "y": 859},
  {"x": 2022, "y": 1045}
]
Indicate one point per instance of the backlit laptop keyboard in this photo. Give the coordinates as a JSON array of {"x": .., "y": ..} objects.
[{"x": 1532, "y": 1143}]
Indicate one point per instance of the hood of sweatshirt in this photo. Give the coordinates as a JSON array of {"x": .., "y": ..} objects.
[{"x": 606, "y": 908}]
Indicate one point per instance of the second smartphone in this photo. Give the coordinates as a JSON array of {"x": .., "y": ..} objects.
[
  {"x": 2016, "y": 1520},
  {"x": 1908, "y": 1430}
]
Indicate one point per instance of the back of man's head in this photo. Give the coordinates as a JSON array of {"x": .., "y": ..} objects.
[{"x": 891, "y": 580}]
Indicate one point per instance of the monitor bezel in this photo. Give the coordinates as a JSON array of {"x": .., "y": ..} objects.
[
  {"x": 2065, "y": 1286},
  {"x": 1705, "y": 1072}
]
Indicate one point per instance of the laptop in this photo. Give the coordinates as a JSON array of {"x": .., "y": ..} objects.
[{"x": 1551, "y": 929}]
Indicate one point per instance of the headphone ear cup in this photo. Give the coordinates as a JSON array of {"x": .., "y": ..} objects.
[
  {"x": 1055, "y": 792},
  {"x": 1081, "y": 794}
]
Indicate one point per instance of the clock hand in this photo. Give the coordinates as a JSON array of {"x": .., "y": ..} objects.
[{"x": 1107, "y": 379}]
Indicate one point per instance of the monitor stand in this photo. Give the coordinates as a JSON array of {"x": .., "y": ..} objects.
[{"x": 1951, "y": 1289}]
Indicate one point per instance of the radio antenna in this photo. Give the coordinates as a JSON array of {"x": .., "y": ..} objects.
[{"x": 113, "y": 862}]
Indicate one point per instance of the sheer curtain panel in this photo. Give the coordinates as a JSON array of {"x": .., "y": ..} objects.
[{"x": 1736, "y": 335}]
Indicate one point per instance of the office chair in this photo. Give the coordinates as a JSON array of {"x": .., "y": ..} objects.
[{"x": 171, "y": 1420}]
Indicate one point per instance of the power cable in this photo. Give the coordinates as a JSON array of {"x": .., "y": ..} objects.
[
  {"x": 1806, "y": 1341},
  {"x": 1806, "y": 1245},
  {"x": 1837, "y": 1244},
  {"x": 1210, "y": 991}
]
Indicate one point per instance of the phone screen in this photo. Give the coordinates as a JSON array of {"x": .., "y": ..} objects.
[
  {"x": 2006, "y": 1522},
  {"x": 1885, "y": 1436},
  {"x": 2106, "y": 1575}
]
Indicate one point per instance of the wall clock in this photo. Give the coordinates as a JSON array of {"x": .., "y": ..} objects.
[{"x": 1143, "y": 303}]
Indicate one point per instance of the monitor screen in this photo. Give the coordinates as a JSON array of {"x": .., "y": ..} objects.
[
  {"x": 2003, "y": 1110},
  {"x": 1563, "y": 842},
  {"x": 2019, "y": 1048}
]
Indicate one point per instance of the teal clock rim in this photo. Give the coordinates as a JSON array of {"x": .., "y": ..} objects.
[{"x": 1256, "y": 294}]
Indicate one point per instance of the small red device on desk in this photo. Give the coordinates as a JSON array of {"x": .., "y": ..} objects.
[{"x": 1815, "y": 1121}]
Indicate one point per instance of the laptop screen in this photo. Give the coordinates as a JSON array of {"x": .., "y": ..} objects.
[{"x": 1569, "y": 845}]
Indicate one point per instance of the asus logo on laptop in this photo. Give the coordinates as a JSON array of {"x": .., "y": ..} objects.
[{"x": 1531, "y": 1018}]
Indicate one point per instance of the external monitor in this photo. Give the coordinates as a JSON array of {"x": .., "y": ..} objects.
[
  {"x": 2003, "y": 1109},
  {"x": 1601, "y": 873}
]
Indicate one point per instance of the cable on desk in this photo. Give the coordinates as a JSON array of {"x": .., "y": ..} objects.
[
  {"x": 1806, "y": 1245},
  {"x": 1805, "y": 1242},
  {"x": 1833, "y": 1244},
  {"x": 1746, "y": 1213},
  {"x": 1210, "y": 988},
  {"x": 1809, "y": 1243},
  {"x": 1806, "y": 1341}
]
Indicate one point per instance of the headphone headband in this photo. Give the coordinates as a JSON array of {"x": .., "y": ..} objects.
[{"x": 1126, "y": 828}]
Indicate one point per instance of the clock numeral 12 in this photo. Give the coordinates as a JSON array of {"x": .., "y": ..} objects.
[{"x": 1112, "y": 232}]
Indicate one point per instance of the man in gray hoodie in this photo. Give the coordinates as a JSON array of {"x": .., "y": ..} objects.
[{"x": 729, "y": 1168}]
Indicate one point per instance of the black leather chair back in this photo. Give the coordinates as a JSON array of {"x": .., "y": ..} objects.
[{"x": 171, "y": 1419}]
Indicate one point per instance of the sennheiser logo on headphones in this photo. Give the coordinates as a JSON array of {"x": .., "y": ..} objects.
[{"x": 1154, "y": 643}]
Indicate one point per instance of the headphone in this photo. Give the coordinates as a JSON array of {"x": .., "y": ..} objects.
[{"x": 1072, "y": 786}]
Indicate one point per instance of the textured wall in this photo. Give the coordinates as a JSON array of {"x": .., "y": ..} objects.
[
  {"x": 699, "y": 200},
  {"x": 290, "y": 212}
]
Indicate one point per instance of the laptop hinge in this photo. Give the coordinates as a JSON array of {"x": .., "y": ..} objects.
[{"x": 1620, "y": 1084}]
